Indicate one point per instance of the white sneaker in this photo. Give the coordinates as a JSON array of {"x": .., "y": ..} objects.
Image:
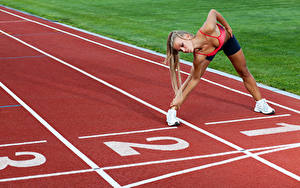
[
  {"x": 263, "y": 107},
  {"x": 171, "y": 118}
]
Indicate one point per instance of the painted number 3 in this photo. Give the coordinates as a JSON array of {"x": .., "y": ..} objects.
[
  {"x": 38, "y": 159},
  {"x": 126, "y": 148}
]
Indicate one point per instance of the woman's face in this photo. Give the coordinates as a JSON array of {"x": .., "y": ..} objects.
[{"x": 184, "y": 45}]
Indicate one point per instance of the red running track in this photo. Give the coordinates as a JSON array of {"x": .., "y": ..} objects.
[{"x": 64, "y": 92}]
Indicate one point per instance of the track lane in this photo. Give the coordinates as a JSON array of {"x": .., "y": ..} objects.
[{"x": 152, "y": 75}]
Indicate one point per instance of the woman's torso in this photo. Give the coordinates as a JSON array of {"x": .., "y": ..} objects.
[{"x": 213, "y": 42}]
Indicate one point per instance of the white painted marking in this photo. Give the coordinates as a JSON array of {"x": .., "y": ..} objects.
[
  {"x": 23, "y": 143},
  {"x": 278, "y": 168},
  {"x": 171, "y": 160},
  {"x": 141, "y": 58},
  {"x": 184, "y": 171},
  {"x": 125, "y": 133},
  {"x": 284, "y": 107},
  {"x": 198, "y": 156},
  {"x": 46, "y": 175},
  {"x": 208, "y": 166},
  {"x": 38, "y": 160},
  {"x": 61, "y": 138},
  {"x": 276, "y": 147},
  {"x": 285, "y": 128},
  {"x": 247, "y": 119},
  {"x": 126, "y": 148}
]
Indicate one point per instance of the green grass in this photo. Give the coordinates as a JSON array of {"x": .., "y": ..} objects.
[{"x": 268, "y": 31}]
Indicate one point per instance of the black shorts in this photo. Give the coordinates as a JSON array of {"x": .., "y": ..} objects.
[{"x": 230, "y": 47}]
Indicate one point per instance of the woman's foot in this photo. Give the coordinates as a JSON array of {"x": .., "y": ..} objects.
[
  {"x": 171, "y": 118},
  {"x": 263, "y": 107}
]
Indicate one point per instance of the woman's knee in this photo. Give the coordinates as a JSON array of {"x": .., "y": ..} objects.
[{"x": 244, "y": 72}]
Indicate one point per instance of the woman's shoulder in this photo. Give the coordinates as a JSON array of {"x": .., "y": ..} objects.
[{"x": 209, "y": 30}]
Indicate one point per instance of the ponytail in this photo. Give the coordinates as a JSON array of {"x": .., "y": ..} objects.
[{"x": 173, "y": 60}]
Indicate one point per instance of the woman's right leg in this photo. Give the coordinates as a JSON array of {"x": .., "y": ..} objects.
[{"x": 239, "y": 62}]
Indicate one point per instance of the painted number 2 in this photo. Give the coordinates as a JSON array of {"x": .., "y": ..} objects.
[
  {"x": 126, "y": 148},
  {"x": 38, "y": 159}
]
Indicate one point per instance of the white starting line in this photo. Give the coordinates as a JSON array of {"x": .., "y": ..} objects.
[
  {"x": 247, "y": 119},
  {"x": 23, "y": 143}
]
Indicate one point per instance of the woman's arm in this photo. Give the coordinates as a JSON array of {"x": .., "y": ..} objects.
[
  {"x": 187, "y": 79},
  {"x": 199, "y": 66},
  {"x": 209, "y": 25}
]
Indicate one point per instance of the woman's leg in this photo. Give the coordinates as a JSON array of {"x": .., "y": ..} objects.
[{"x": 239, "y": 62}]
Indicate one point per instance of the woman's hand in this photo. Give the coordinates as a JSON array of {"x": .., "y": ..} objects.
[{"x": 229, "y": 30}]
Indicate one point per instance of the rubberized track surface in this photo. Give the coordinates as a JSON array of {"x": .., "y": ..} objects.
[{"x": 79, "y": 110}]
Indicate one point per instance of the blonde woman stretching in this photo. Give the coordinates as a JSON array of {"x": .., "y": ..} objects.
[{"x": 211, "y": 38}]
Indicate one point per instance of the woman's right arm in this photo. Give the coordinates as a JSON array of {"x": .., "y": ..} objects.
[{"x": 199, "y": 66}]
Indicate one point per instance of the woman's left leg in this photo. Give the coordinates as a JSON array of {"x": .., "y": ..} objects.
[{"x": 239, "y": 62}]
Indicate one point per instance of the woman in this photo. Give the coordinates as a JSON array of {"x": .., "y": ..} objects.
[{"x": 211, "y": 38}]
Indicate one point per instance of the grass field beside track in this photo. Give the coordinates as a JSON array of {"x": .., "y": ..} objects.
[{"x": 268, "y": 31}]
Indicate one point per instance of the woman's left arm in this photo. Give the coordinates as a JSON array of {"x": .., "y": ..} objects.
[
  {"x": 199, "y": 66},
  {"x": 211, "y": 21}
]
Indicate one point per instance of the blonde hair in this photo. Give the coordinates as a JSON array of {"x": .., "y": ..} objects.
[{"x": 173, "y": 60}]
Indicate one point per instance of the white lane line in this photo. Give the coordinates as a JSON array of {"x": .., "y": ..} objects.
[
  {"x": 197, "y": 157},
  {"x": 266, "y": 162},
  {"x": 184, "y": 171},
  {"x": 124, "y": 133},
  {"x": 247, "y": 119},
  {"x": 23, "y": 143},
  {"x": 47, "y": 175},
  {"x": 141, "y": 58},
  {"x": 280, "y": 169},
  {"x": 61, "y": 138},
  {"x": 207, "y": 166},
  {"x": 284, "y": 107}
]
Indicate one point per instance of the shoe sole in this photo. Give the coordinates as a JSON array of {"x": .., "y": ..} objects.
[
  {"x": 273, "y": 112},
  {"x": 176, "y": 124}
]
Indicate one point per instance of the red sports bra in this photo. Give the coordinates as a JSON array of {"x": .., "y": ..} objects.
[{"x": 221, "y": 39}]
